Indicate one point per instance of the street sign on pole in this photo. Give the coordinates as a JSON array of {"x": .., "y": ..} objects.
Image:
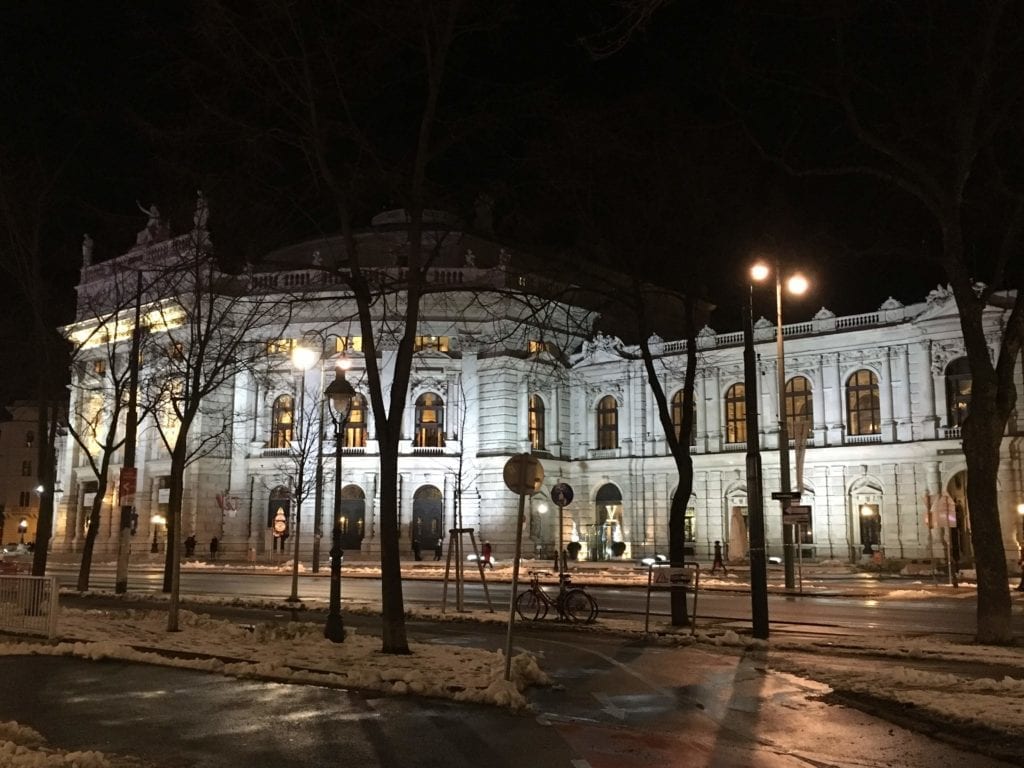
[
  {"x": 523, "y": 475},
  {"x": 797, "y": 515}
]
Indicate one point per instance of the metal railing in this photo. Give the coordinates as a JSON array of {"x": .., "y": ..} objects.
[{"x": 28, "y": 604}]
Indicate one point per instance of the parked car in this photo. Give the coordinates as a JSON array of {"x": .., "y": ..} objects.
[{"x": 15, "y": 548}]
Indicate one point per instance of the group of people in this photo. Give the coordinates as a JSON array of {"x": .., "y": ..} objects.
[
  {"x": 417, "y": 551},
  {"x": 190, "y": 546}
]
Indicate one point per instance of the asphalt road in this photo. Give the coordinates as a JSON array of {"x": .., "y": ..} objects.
[{"x": 950, "y": 612}]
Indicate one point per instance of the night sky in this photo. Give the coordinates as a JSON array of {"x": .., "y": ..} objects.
[{"x": 673, "y": 143}]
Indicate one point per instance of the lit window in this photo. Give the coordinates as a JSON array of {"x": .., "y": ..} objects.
[
  {"x": 355, "y": 426},
  {"x": 99, "y": 367},
  {"x": 799, "y": 404},
  {"x": 429, "y": 421},
  {"x": 690, "y": 525},
  {"x": 282, "y": 420},
  {"x": 345, "y": 344},
  {"x": 607, "y": 423},
  {"x": 280, "y": 346},
  {"x": 958, "y": 391},
  {"x": 863, "y": 414},
  {"x": 439, "y": 343},
  {"x": 736, "y": 414},
  {"x": 677, "y": 417},
  {"x": 536, "y": 418}
]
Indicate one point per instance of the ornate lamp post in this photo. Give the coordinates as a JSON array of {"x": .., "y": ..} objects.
[
  {"x": 303, "y": 358},
  {"x": 795, "y": 284},
  {"x": 339, "y": 394},
  {"x": 755, "y": 503}
]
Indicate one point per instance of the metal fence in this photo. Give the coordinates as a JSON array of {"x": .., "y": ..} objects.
[{"x": 28, "y": 604}]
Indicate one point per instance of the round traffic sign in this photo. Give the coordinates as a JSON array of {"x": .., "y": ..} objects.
[
  {"x": 523, "y": 474},
  {"x": 561, "y": 494}
]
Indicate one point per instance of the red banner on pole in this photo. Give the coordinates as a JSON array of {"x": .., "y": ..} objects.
[{"x": 126, "y": 488}]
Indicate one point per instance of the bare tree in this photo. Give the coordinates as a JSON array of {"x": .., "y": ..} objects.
[
  {"x": 316, "y": 80},
  {"x": 210, "y": 328},
  {"x": 940, "y": 125},
  {"x": 103, "y": 344},
  {"x": 28, "y": 201}
]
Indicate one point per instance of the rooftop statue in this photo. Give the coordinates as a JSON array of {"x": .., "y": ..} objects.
[
  {"x": 155, "y": 230},
  {"x": 202, "y": 212},
  {"x": 87, "y": 245}
]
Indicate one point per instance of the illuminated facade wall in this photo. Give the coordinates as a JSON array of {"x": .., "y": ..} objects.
[{"x": 882, "y": 396}]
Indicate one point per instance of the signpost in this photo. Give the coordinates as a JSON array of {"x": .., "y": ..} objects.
[
  {"x": 800, "y": 516},
  {"x": 523, "y": 475},
  {"x": 789, "y": 518},
  {"x": 562, "y": 495}
]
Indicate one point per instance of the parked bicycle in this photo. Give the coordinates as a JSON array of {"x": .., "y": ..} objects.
[{"x": 572, "y": 603}]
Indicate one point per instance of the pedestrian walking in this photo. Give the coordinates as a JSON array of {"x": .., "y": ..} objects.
[
  {"x": 416, "y": 552},
  {"x": 718, "y": 562},
  {"x": 438, "y": 548},
  {"x": 190, "y": 545},
  {"x": 214, "y": 546},
  {"x": 487, "y": 555}
]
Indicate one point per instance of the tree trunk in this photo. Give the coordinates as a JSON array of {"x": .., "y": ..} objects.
[
  {"x": 47, "y": 425},
  {"x": 90, "y": 535},
  {"x": 983, "y": 432},
  {"x": 392, "y": 605}
]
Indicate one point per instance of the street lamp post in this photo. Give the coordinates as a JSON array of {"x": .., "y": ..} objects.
[
  {"x": 755, "y": 502},
  {"x": 796, "y": 284},
  {"x": 339, "y": 394},
  {"x": 303, "y": 358}
]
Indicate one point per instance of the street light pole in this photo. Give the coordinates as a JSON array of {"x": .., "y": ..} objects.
[
  {"x": 796, "y": 284},
  {"x": 303, "y": 359},
  {"x": 787, "y": 530},
  {"x": 339, "y": 393},
  {"x": 755, "y": 501}
]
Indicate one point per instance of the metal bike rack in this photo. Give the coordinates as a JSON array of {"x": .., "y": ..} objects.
[{"x": 665, "y": 577}]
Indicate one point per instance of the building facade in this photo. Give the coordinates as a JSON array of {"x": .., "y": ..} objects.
[{"x": 875, "y": 404}]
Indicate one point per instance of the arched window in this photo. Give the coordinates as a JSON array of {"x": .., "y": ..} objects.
[
  {"x": 736, "y": 414},
  {"x": 536, "y": 417},
  {"x": 799, "y": 404},
  {"x": 677, "y": 416},
  {"x": 282, "y": 421},
  {"x": 355, "y": 426},
  {"x": 958, "y": 391},
  {"x": 429, "y": 421},
  {"x": 863, "y": 416},
  {"x": 607, "y": 423}
]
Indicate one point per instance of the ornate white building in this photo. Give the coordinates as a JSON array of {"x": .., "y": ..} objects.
[{"x": 502, "y": 367}]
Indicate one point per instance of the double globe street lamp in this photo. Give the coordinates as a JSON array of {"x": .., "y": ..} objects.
[
  {"x": 340, "y": 394},
  {"x": 797, "y": 285}
]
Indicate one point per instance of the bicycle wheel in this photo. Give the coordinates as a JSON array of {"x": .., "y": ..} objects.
[
  {"x": 530, "y": 607},
  {"x": 578, "y": 606}
]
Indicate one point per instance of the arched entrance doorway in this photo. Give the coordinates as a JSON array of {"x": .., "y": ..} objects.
[
  {"x": 353, "y": 517},
  {"x": 279, "y": 517},
  {"x": 960, "y": 545},
  {"x": 737, "y": 525},
  {"x": 427, "y": 516},
  {"x": 606, "y": 538},
  {"x": 865, "y": 519}
]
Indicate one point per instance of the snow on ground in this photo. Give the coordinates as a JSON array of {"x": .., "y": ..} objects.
[{"x": 296, "y": 652}]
